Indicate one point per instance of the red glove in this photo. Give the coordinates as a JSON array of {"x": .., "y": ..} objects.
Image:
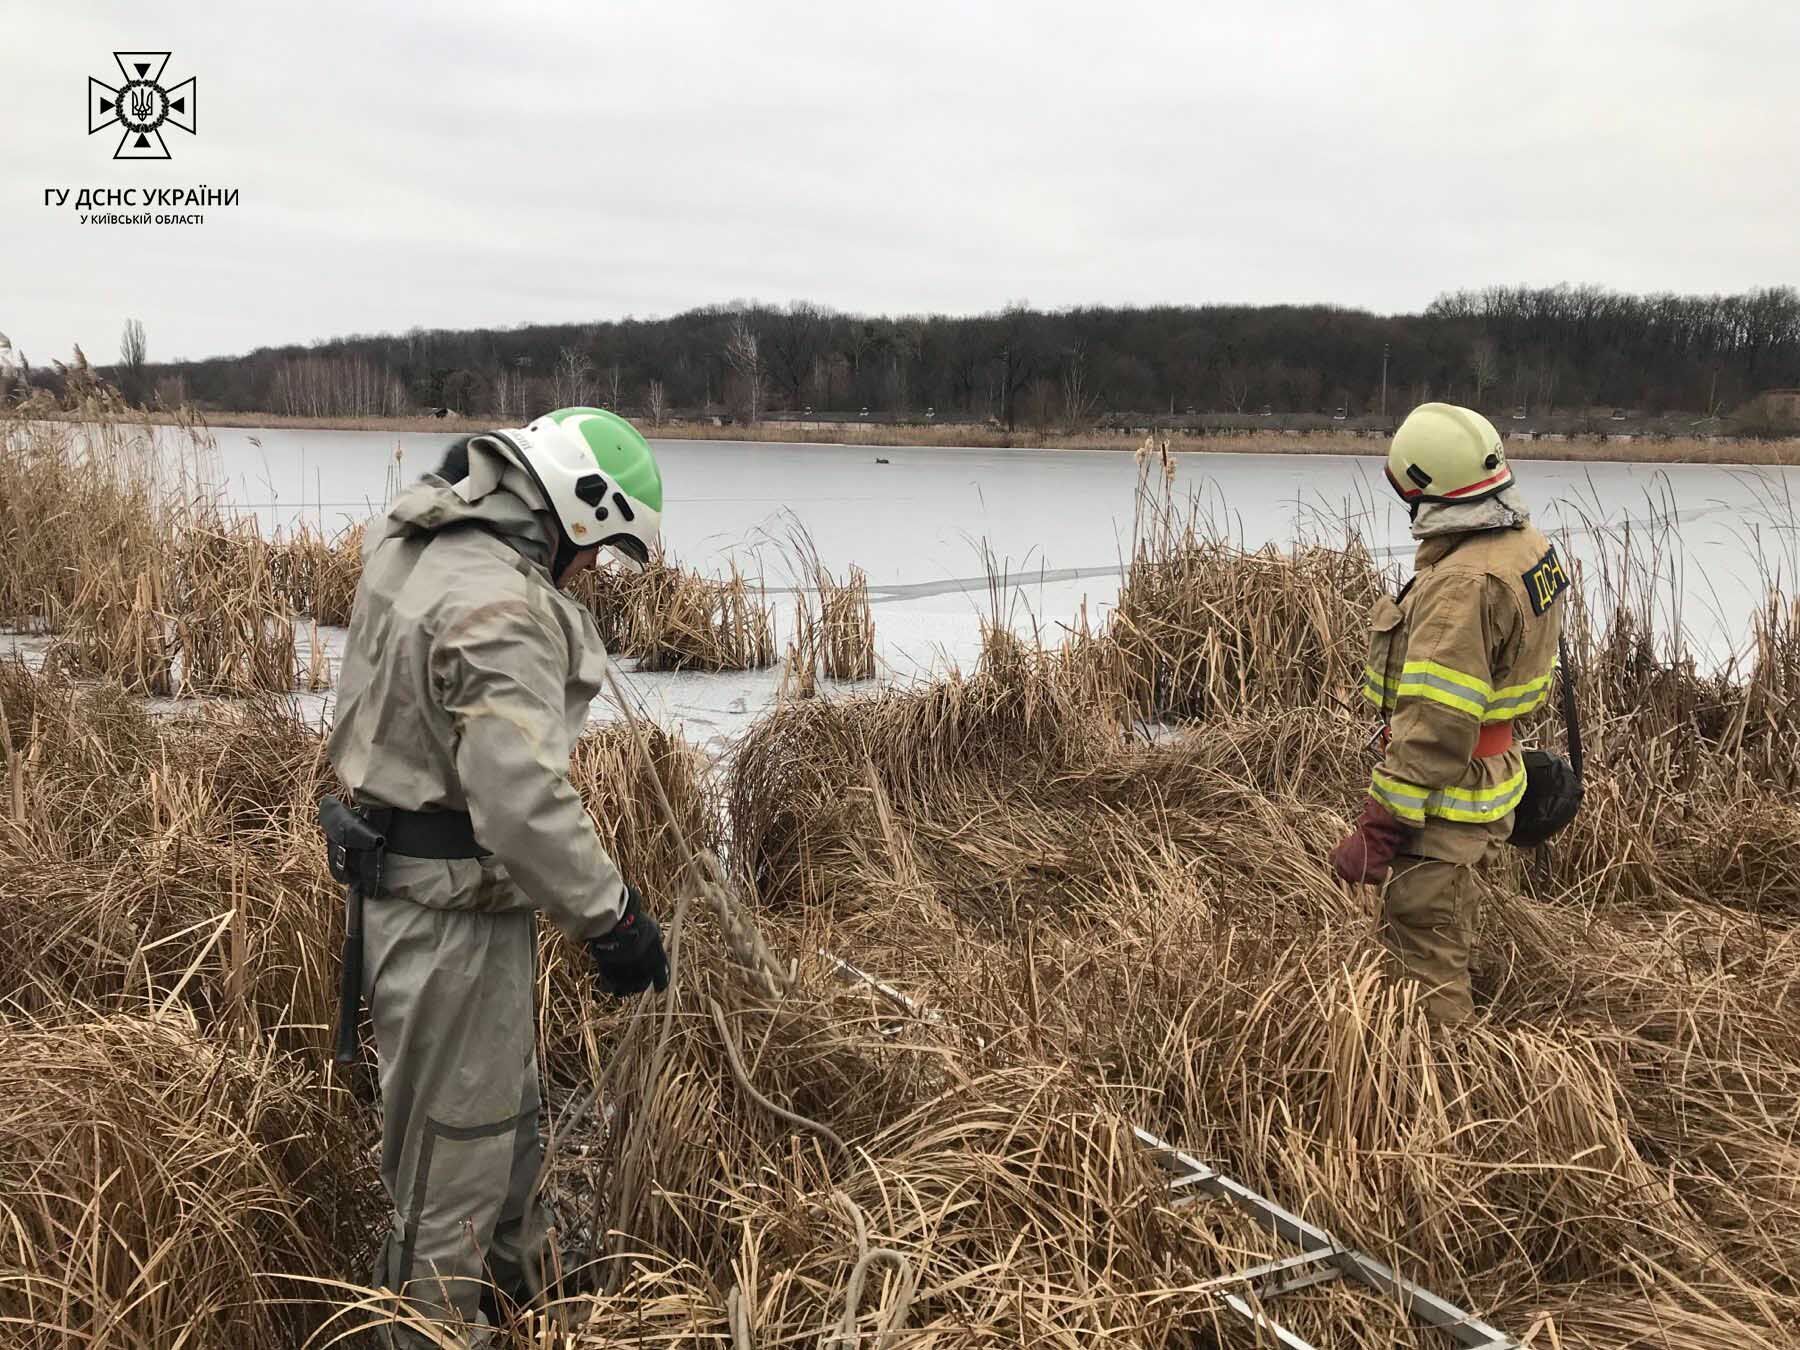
[{"x": 1364, "y": 853}]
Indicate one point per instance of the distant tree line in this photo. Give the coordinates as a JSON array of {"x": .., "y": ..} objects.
[{"x": 1500, "y": 349}]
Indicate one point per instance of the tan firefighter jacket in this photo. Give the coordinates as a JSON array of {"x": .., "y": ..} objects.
[
  {"x": 1469, "y": 643},
  {"x": 465, "y": 685}
]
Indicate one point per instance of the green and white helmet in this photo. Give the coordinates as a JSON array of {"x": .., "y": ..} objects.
[{"x": 600, "y": 477}]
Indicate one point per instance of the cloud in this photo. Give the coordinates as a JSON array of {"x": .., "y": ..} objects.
[{"x": 472, "y": 164}]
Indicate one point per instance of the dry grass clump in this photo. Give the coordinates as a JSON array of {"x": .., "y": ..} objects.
[
  {"x": 678, "y": 620},
  {"x": 117, "y": 628},
  {"x": 145, "y": 583},
  {"x": 803, "y": 775},
  {"x": 84, "y": 530},
  {"x": 1204, "y": 628},
  {"x": 145, "y": 864},
  {"x": 607, "y": 594},
  {"x": 1159, "y": 920},
  {"x": 1695, "y": 789},
  {"x": 157, "y": 1187},
  {"x": 1644, "y": 693},
  {"x": 232, "y": 621},
  {"x": 317, "y": 575},
  {"x": 984, "y": 1202},
  {"x": 834, "y": 637},
  {"x": 846, "y": 627},
  {"x": 800, "y": 668},
  {"x": 612, "y": 769},
  {"x": 673, "y": 619},
  {"x": 74, "y": 504},
  {"x": 1506, "y": 1167},
  {"x": 1008, "y": 1210}
]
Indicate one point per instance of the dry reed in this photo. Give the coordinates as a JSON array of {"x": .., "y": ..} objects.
[
  {"x": 154, "y": 1184},
  {"x": 1097, "y": 928},
  {"x": 317, "y": 576},
  {"x": 146, "y": 581},
  {"x": 232, "y": 624},
  {"x": 846, "y": 627},
  {"x": 673, "y": 619},
  {"x": 678, "y": 620}
]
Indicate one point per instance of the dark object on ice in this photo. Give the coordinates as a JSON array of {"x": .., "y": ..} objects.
[{"x": 880, "y": 460}]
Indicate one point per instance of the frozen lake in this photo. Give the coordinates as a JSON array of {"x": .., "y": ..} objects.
[{"x": 1058, "y": 522}]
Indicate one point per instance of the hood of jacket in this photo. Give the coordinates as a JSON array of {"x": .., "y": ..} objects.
[
  {"x": 1505, "y": 510},
  {"x": 497, "y": 495}
]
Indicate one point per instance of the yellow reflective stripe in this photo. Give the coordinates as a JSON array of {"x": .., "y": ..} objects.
[
  {"x": 1480, "y": 805},
  {"x": 1422, "y": 680},
  {"x": 1413, "y": 804},
  {"x": 1375, "y": 685},
  {"x": 1521, "y": 698},
  {"x": 1403, "y": 799},
  {"x": 1447, "y": 677},
  {"x": 1477, "y": 688}
]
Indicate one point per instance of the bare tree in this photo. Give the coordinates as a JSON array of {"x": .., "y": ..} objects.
[
  {"x": 171, "y": 392},
  {"x": 793, "y": 343},
  {"x": 615, "y": 387},
  {"x": 319, "y": 386},
  {"x": 658, "y": 403},
  {"x": 511, "y": 391},
  {"x": 1546, "y": 387},
  {"x": 1234, "y": 384},
  {"x": 134, "y": 350},
  {"x": 572, "y": 380},
  {"x": 462, "y": 392},
  {"x": 822, "y": 383},
  {"x": 509, "y": 394},
  {"x": 1484, "y": 365},
  {"x": 1079, "y": 400},
  {"x": 1015, "y": 357},
  {"x": 743, "y": 353}
]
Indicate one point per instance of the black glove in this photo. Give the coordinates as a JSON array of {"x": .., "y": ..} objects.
[{"x": 629, "y": 956}]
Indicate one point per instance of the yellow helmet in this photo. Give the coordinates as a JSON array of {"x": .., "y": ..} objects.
[{"x": 1443, "y": 453}]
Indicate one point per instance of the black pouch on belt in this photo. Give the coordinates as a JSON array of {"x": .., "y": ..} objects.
[
  {"x": 1552, "y": 799},
  {"x": 1553, "y": 787}
]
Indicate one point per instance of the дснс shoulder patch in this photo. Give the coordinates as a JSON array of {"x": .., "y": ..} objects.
[{"x": 1545, "y": 581}]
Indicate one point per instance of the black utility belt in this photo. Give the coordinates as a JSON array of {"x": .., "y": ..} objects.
[{"x": 424, "y": 834}]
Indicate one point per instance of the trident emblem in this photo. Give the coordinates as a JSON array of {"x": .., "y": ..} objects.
[{"x": 142, "y": 105}]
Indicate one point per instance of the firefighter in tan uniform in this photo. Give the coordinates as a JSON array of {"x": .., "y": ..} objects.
[{"x": 1466, "y": 649}]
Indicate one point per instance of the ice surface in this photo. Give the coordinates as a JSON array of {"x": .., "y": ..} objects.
[{"x": 1057, "y": 523}]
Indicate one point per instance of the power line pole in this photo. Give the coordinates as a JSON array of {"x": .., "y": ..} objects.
[{"x": 1384, "y": 357}]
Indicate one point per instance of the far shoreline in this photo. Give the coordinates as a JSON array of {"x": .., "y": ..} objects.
[{"x": 1721, "y": 451}]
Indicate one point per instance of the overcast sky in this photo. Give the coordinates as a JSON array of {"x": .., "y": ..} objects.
[{"x": 490, "y": 164}]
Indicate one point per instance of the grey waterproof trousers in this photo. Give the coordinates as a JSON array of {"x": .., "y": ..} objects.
[{"x": 450, "y": 995}]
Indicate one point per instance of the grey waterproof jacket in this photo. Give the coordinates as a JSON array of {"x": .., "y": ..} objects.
[{"x": 465, "y": 685}]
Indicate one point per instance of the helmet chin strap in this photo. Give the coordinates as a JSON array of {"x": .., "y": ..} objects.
[
  {"x": 566, "y": 550},
  {"x": 1411, "y": 503}
]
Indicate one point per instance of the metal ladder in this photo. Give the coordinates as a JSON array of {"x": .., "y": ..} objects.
[{"x": 1321, "y": 1257}]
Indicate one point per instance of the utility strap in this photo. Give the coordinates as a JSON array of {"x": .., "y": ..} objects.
[{"x": 1571, "y": 719}]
